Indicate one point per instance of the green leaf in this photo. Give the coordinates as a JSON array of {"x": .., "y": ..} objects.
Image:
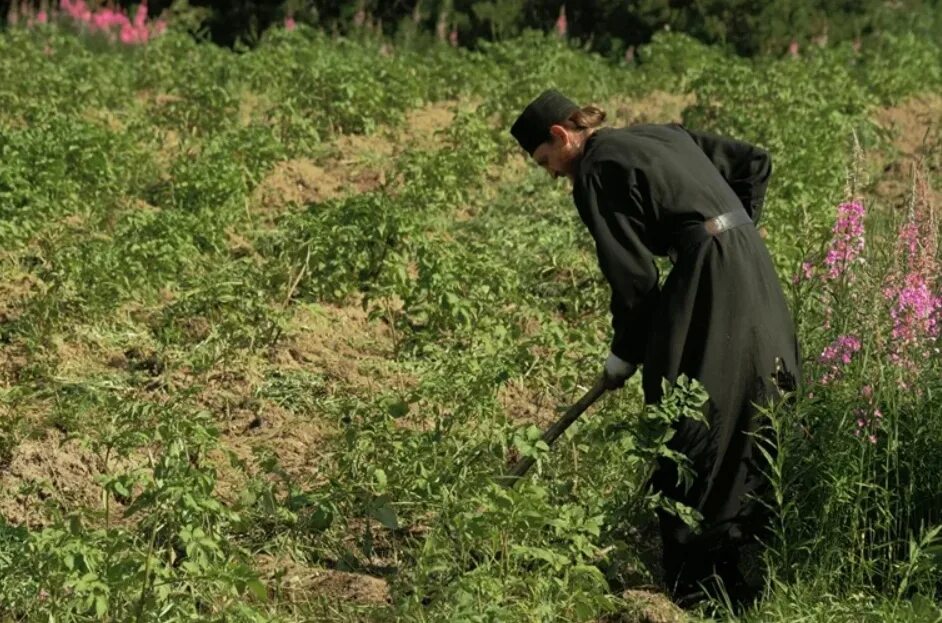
[
  {"x": 379, "y": 476},
  {"x": 398, "y": 409},
  {"x": 101, "y": 606},
  {"x": 591, "y": 572},
  {"x": 386, "y": 515},
  {"x": 120, "y": 489},
  {"x": 322, "y": 519},
  {"x": 257, "y": 588}
]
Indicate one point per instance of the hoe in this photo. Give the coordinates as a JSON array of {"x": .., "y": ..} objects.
[{"x": 551, "y": 434}]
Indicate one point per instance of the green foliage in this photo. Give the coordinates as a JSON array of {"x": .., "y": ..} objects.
[
  {"x": 674, "y": 62},
  {"x": 174, "y": 561},
  {"x": 900, "y": 65},
  {"x": 805, "y": 114},
  {"x": 151, "y": 316},
  {"x": 747, "y": 26}
]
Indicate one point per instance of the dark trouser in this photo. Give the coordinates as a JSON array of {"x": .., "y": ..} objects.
[
  {"x": 734, "y": 515},
  {"x": 692, "y": 567},
  {"x": 696, "y": 569}
]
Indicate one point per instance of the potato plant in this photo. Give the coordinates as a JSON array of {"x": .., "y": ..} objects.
[{"x": 223, "y": 404}]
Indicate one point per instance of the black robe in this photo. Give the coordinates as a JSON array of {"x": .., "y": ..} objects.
[{"x": 720, "y": 317}]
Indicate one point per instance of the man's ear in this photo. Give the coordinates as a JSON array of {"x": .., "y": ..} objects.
[{"x": 559, "y": 132}]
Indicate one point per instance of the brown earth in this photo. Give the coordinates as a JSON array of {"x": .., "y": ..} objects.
[
  {"x": 526, "y": 405},
  {"x": 352, "y": 351},
  {"x": 424, "y": 124},
  {"x": 249, "y": 425},
  {"x": 916, "y": 123},
  {"x": 654, "y": 107},
  {"x": 16, "y": 288},
  {"x": 167, "y": 148},
  {"x": 14, "y": 358},
  {"x": 353, "y": 354},
  {"x": 105, "y": 118},
  {"x": 915, "y": 131},
  {"x": 295, "y": 582},
  {"x": 47, "y": 471},
  {"x": 252, "y": 107},
  {"x": 79, "y": 359},
  {"x": 350, "y": 163},
  {"x": 648, "y": 607},
  {"x": 295, "y": 182},
  {"x": 298, "y": 441}
]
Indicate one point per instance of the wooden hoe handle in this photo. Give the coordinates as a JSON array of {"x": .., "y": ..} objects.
[{"x": 521, "y": 467}]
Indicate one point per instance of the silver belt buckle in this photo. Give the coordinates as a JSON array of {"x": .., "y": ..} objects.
[{"x": 717, "y": 224}]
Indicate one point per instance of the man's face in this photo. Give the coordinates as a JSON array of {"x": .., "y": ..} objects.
[{"x": 559, "y": 154}]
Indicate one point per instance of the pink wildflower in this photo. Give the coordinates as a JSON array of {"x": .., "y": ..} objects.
[
  {"x": 793, "y": 49},
  {"x": 847, "y": 241},
  {"x": 140, "y": 17},
  {"x": 915, "y": 312},
  {"x": 42, "y": 17},
  {"x": 128, "y": 35},
  {"x": 562, "y": 25},
  {"x": 77, "y": 10},
  {"x": 840, "y": 348},
  {"x": 915, "y": 306},
  {"x": 453, "y": 37},
  {"x": 805, "y": 274},
  {"x": 107, "y": 19},
  {"x": 837, "y": 353},
  {"x": 290, "y": 24},
  {"x": 114, "y": 22},
  {"x": 868, "y": 423}
]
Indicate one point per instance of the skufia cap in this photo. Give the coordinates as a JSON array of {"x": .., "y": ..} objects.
[{"x": 531, "y": 128}]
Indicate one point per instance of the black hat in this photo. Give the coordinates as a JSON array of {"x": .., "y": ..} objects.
[{"x": 531, "y": 128}]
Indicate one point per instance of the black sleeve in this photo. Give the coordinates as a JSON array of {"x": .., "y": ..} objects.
[
  {"x": 745, "y": 167},
  {"x": 610, "y": 204}
]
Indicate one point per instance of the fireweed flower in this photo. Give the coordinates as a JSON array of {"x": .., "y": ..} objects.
[
  {"x": 915, "y": 305},
  {"x": 806, "y": 273},
  {"x": 562, "y": 25},
  {"x": 847, "y": 241},
  {"x": 838, "y": 354},
  {"x": 868, "y": 418},
  {"x": 114, "y": 23}
]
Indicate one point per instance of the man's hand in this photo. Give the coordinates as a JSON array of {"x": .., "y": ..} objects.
[{"x": 616, "y": 371}]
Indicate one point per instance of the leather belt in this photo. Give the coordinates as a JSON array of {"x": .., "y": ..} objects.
[{"x": 699, "y": 232}]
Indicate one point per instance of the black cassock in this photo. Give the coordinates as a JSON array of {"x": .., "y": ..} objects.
[{"x": 720, "y": 317}]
